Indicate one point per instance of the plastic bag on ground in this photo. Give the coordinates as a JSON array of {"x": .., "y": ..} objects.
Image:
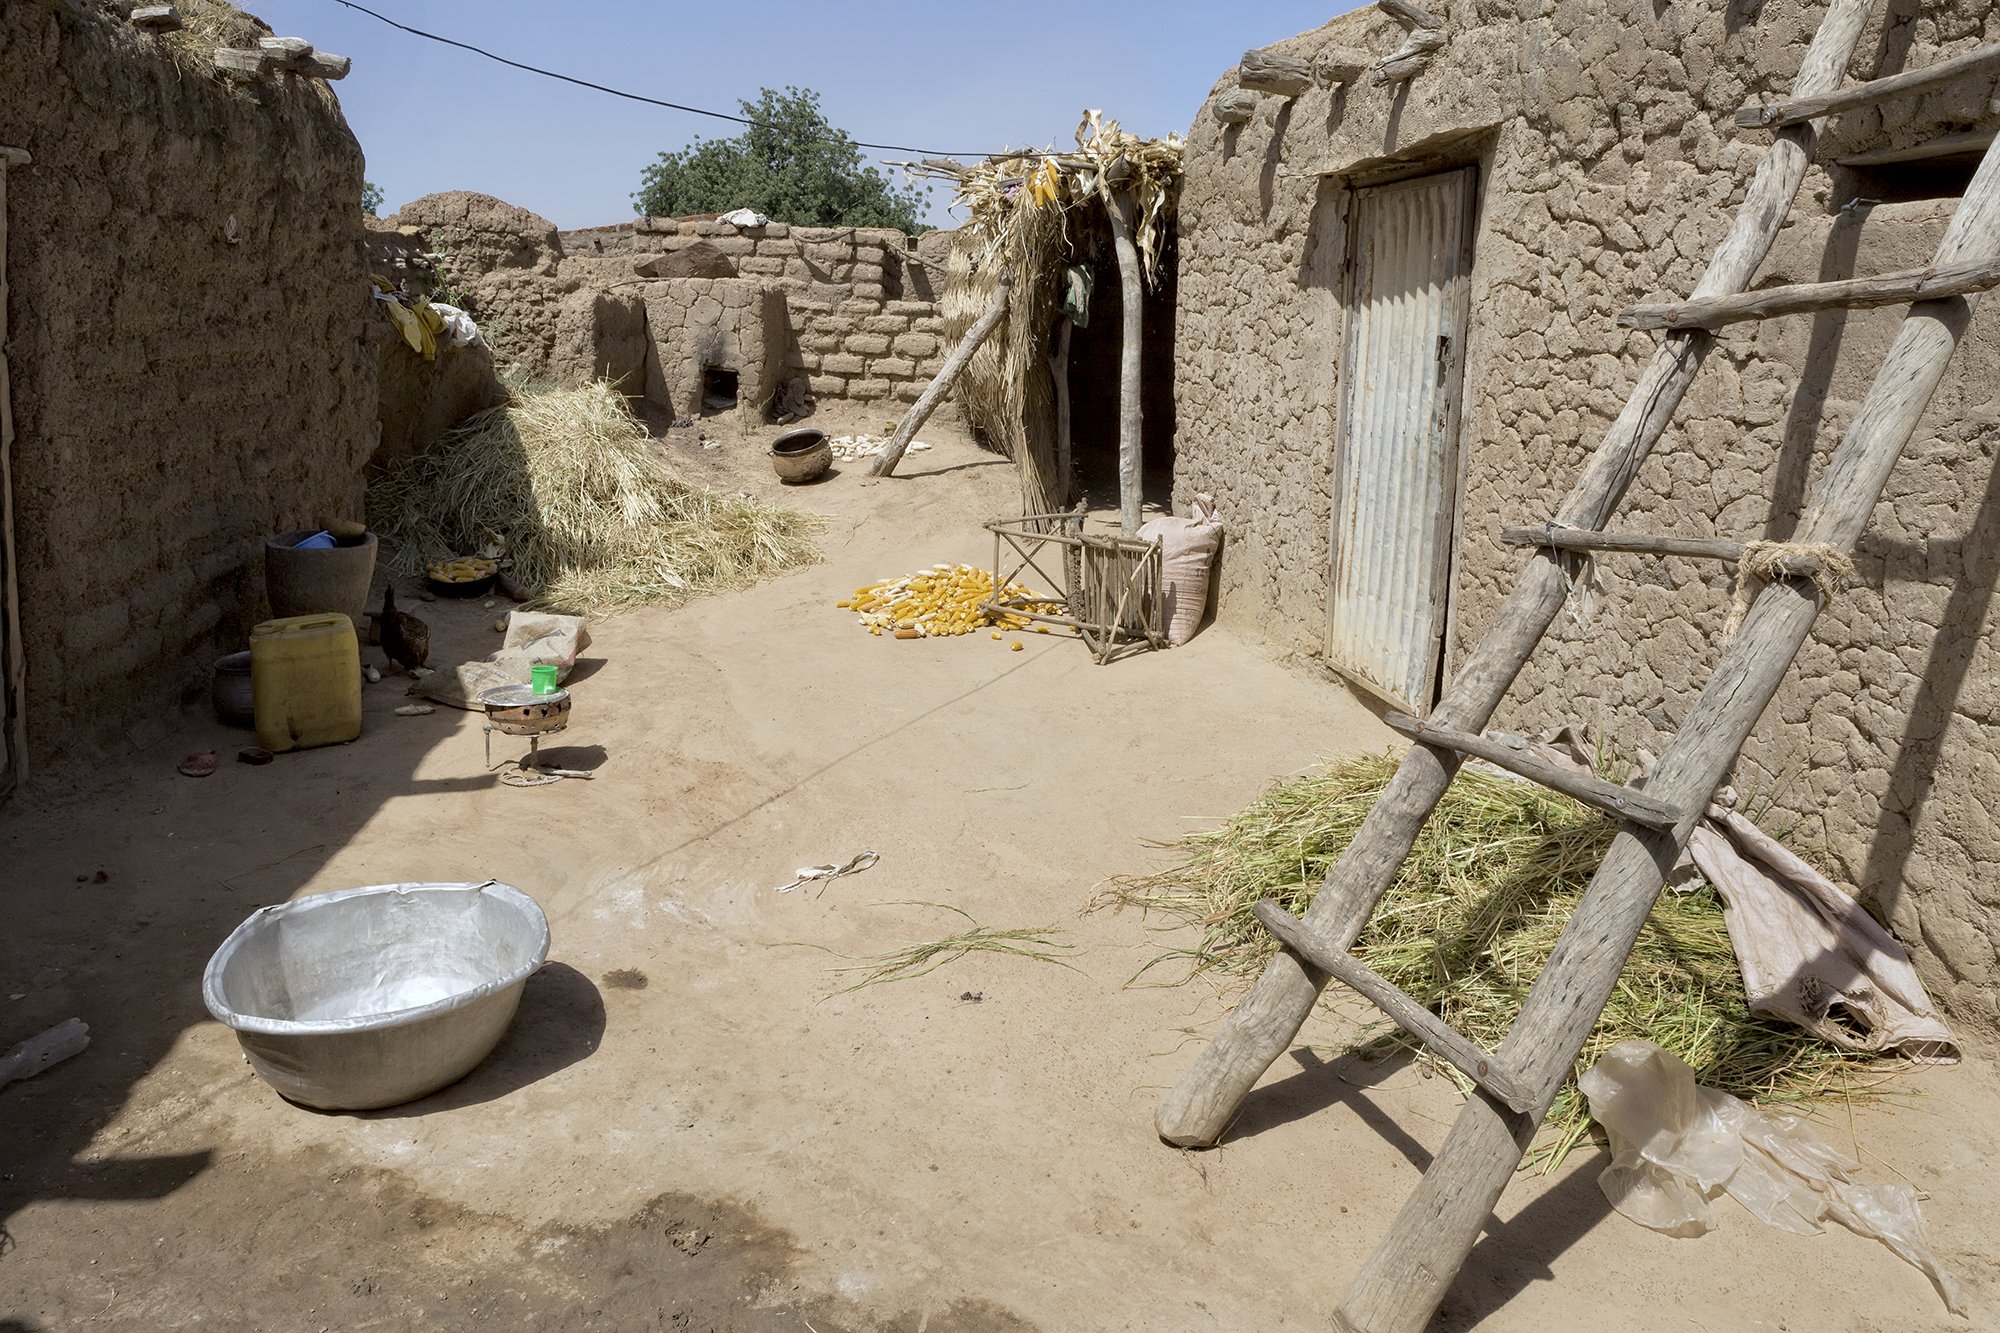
[
  {"x": 1675, "y": 1145},
  {"x": 534, "y": 638},
  {"x": 1187, "y": 558}
]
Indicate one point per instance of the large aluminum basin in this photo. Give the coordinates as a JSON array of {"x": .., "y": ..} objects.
[{"x": 375, "y": 996}]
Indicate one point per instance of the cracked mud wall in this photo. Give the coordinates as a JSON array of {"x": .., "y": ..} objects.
[
  {"x": 1610, "y": 169},
  {"x": 183, "y": 384}
]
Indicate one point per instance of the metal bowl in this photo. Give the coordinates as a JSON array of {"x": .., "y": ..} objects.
[
  {"x": 376, "y": 996},
  {"x": 516, "y": 710},
  {"x": 801, "y": 455}
]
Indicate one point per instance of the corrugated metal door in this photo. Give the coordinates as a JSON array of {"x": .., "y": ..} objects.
[{"x": 1396, "y": 467}]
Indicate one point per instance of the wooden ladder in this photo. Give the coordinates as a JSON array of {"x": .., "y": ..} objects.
[{"x": 1400, "y": 1286}]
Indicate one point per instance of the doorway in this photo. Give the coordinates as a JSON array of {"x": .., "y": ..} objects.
[{"x": 1409, "y": 261}]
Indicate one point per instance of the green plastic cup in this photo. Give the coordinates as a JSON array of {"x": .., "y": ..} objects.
[{"x": 543, "y": 678}]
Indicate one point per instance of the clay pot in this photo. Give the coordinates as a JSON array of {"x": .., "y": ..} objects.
[
  {"x": 304, "y": 582},
  {"x": 801, "y": 455},
  {"x": 230, "y": 691}
]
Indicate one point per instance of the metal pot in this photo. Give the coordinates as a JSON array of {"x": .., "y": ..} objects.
[{"x": 800, "y": 456}]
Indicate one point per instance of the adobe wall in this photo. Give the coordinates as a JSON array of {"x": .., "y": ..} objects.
[
  {"x": 1610, "y": 168},
  {"x": 188, "y": 346},
  {"x": 857, "y": 305}
]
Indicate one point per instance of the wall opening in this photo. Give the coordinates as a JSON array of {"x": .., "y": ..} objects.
[
  {"x": 1094, "y": 353},
  {"x": 718, "y": 388},
  {"x": 1904, "y": 182}
]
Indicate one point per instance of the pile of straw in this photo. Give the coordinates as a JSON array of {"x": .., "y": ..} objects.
[
  {"x": 566, "y": 482},
  {"x": 1469, "y": 922}
]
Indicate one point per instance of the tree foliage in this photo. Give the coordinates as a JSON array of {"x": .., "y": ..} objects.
[
  {"x": 371, "y": 198},
  {"x": 789, "y": 165}
]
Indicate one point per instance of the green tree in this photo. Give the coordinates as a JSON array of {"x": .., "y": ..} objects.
[
  {"x": 371, "y": 198},
  {"x": 789, "y": 165}
]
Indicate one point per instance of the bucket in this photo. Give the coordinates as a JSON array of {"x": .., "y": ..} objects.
[{"x": 307, "y": 581}]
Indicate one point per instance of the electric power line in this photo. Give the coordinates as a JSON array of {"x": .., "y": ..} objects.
[{"x": 619, "y": 92}]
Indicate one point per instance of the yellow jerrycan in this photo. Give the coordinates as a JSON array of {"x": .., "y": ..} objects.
[{"x": 305, "y": 680}]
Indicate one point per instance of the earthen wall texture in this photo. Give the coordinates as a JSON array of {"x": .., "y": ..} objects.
[
  {"x": 1610, "y": 168},
  {"x": 191, "y": 371},
  {"x": 860, "y": 303}
]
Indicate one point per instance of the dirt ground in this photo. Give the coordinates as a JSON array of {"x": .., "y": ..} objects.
[{"x": 687, "y": 1126}]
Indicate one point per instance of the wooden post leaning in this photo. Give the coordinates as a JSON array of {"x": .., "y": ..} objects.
[
  {"x": 1400, "y": 1286},
  {"x": 13, "y": 653},
  {"x": 961, "y": 356},
  {"x": 1131, "y": 307},
  {"x": 1199, "y": 1108}
]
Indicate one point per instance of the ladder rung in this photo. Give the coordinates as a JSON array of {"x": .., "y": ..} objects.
[
  {"x": 1610, "y": 797},
  {"x": 1792, "y": 110},
  {"x": 1899, "y": 288},
  {"x": 1698, "y": 548},
  {"x": 1944, "y": 145},
  {"x": 1443, "y": 1040}
]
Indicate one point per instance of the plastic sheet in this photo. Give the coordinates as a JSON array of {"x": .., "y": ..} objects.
[{"x": 1675, "y": 1145}]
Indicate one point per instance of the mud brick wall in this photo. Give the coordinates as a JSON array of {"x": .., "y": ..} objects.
[
  {"x": 1610, "y": 168},
  {"x": 191, "y": 368},
  {"x": 862, "y": 305}
]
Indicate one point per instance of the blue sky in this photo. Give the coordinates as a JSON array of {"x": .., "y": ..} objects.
[{"x": 955, "y": 77}]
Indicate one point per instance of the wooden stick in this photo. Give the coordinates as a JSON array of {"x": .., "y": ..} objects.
[
  {"x": 1410, "y": 59},
  {"x": 1235, "y": 106},
  {"x": 1795, "y": 109},
  {"x": 1131, "y": 300},
  {"x": 920, "y": 411},
  {"x": 1447, "y": 1042},
  {"x": 1899, "y": 288},
  {"x": 1408, "y": 14},
  {"x": 1401, "y": 1285},
  {"x": 1618, "y": 801},
  {"x": 1059, "y": 376},
  {"x": 1945, "y": 145},
  {"x": 1273, "y": 72},
  {"x": 286, "y": 52},
  {"x": 1697, "y": 548},
  {"x": 1200, "y": 1107},
  {"x": 13, "y": 652},
  {"x": 157, "y": 18},
  {"x": 247, "y": 66}
]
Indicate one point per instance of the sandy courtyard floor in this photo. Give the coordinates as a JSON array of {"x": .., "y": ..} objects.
[{"x": 688, "y": 1127}]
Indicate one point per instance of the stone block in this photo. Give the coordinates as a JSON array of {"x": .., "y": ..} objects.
[
  {"x": 841, "y": 364},
  {"x": 870, "y": 391},
  {"x": 889, "y": 324},
  {"x": 867, "y": 344},
  {"x": 757, "y": 266},
  {"x": 892, "y": 367},
  {"x": 918, "y": 345},
  {"x": 911, "y": 309},
  {"x": 827, "y": 386}
]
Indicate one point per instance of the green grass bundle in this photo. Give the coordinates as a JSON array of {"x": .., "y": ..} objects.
[
  {"x": 1472, "y": 917},
  {"x": 592, "y": 518}
]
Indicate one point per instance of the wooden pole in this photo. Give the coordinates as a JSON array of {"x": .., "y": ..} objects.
[
  {"x": 1199, "y": 1108},
  {"x": 1059, "y": 374},
  {"x": 1809, "y": 106},
  {"x": 1633, "y": 543},
  {"x": 1900, "y": 288},
  {"x": 1131, "y": 299},
  {"x": 1399, "y": 1288},
  {"x": 961, "y": 356},
  {"x": 13, "y": 652}
]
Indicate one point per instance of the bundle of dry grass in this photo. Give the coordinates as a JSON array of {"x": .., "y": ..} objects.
[
  {"x": 1474, "y": 914},
  {"x": 592, "y": 519}
]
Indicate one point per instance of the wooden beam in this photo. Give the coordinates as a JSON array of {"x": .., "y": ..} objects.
[
  {"x": 1273, "y": 72},
  {"x": 1696, "y": 548},
  {"x": 1408, "y": 14},
  {"x": 1945, "y": 145},
  {"x": 920, "y": 411},
  {"x": 13, "y": 652},
  {"x": 1793, "y": 110},
  {"x": 286, "y": 52},
  {"x": 1443, "y": 1040},
  {"x": 157, "y": 18},
  {"x": 246, "y": 66},
  {"x": 1235, "y": 106},
  {"x": 1399, "y": 1288},
  {"x": 326, "y": 65},
  {"x": 1132, "y": 305},
  {"x": 1409, "y": 59},
  {"x": 1338, "y": 65},
  {"x": 1201, "y": 1106},
  {"x": 1617, "y": 801},
  {"x": 1900, "y": 288}
]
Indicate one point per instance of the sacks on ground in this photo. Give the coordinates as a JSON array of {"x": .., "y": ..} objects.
[
  {"x": 1187, "y": 559},
  {"x": 533, "y": 638}
]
